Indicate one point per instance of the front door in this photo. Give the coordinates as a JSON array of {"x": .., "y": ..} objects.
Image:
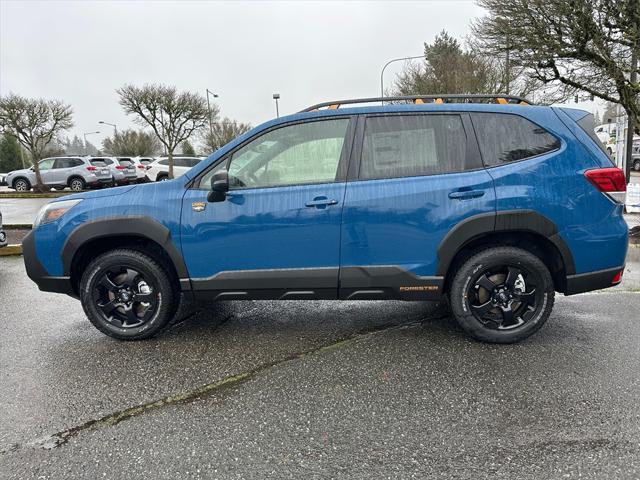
[
  {"x": 277, "y": 233},
  {"x": 419, "y": 176}
]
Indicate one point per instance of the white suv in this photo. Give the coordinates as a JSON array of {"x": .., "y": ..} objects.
[{"x": 158, "y": 170}]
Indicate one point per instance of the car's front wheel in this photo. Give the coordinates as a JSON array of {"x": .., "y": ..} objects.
[
  {"x": 502, "y": 295},
  {"x": 21, "y": 185},
  {"x": 636, "y": 165},
  {"x": 126, "y": 294}
]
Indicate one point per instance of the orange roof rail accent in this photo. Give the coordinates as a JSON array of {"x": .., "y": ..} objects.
[
  {"x": 418, "y": 101},
  {"x": 439, "y": 100},
  {"x": 524, "y": 103},
  {"x": 335, "y": 106},
  {"x": 502, "y": 101}
]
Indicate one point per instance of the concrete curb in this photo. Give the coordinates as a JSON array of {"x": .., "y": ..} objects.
[
  {"x": 35, "y": 195},
  {"x": 17, "y": 226},
  {"x": 10, "y": 250}
]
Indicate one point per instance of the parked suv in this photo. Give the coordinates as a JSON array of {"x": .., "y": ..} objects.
[
  {"x": 494, "y": 207},
  {"x": 77, "y": 173},
  {"x": 158, "y": 171}
]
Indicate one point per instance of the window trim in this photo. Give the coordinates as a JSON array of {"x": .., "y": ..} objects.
[
  {"x": 472, "y": 150},
  {"x": 343, "y": 161},
  {"x": 559, "y": 139}
]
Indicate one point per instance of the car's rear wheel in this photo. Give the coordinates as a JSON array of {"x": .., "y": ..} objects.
[
  {"x": 127, "y": 295},
  {"x": 636, "y": 165},
  {"x": 162, "y": 178},
  {"x": 502, "y": 295},
  {"x": 76, "y": 184},
  {"x": 21, "y": 185}
]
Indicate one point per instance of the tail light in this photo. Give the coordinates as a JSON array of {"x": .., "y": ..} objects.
[
  {"x": 141, "y": 167},
  {"x": 91, "y": 168},
  {"x": 618, "y": 278},
  {"x": 119, "y": 167},
  {"x": 609, "y": 181}
]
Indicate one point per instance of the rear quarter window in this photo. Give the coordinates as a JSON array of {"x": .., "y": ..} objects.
[{"x": 505, "y": 138}]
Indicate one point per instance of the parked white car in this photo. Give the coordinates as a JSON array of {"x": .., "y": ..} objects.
[
  {"x": 158, "y": 170},
  {"x": 607, "y": 135}
]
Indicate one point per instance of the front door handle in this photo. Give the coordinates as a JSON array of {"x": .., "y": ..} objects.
[
  {"x": 321, "y": 202},
  {"x": 466, "y": 194}
]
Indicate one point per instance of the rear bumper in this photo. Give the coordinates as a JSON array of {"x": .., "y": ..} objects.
[
  {"x": 587, "y": 282},
  {"x": 37, "y": 272}
]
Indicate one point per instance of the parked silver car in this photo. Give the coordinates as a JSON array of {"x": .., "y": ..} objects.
[{"x": 77, "y": 173}]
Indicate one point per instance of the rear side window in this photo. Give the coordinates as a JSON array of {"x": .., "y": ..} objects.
[
  {"x": 412, "y": 145},
  {"x": 505, "y": 138},
  {"x": 586, "y": 123},
  {"x": 163, "y": 162}
]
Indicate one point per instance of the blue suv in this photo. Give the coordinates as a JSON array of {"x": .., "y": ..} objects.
[{"x": 489, "y": 202}]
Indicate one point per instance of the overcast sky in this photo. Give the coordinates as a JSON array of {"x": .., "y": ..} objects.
[{"x": 81, "y": 51}]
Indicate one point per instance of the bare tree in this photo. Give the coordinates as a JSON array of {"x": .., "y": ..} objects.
[
  {"x": 586, "y": 45},
  {"x": 173, "y": 116},
  {"x": 222, "y": 133},
  {"x": 36, "y": 123},
  {"x": 132, "y": 143}
]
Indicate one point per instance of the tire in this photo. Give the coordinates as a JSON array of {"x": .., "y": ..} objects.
[
  {"x": 162, "y": 178},
  {"x": 609, "y": 151},
  {"x": 21, "y": 185},
  {"x": 502, "y": 295},
  {"x": 636, "y": 165},
  {"x": 76, "y": 184},
  {"x": 59, "y": 189},
  {"x": 115, "y": 276}
]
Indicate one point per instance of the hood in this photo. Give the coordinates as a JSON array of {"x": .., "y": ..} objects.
[
  {"x": 107, "y": 192},
  {"x": 22, "y": 170}
]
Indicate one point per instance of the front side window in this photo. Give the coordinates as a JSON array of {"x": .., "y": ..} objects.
[
  {"x": 304, "y": 153},
  {"x": 505, "y": 138},
  {"x": 413, "y": 145},
  {"x": 46, "y": 164}
]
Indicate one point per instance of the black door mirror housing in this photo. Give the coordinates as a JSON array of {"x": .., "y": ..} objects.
[{"x": 219, "y": 187}]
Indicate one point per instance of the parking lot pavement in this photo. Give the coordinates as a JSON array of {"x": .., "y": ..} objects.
[
  {"x": 318, "y": 390},
  {"x": 21, "y": 210}
]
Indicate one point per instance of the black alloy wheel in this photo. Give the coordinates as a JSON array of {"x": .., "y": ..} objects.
[{"x": 502, "y": 294}]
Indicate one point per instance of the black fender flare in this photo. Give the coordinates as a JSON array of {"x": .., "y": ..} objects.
[
  {"x": 503, "y": 221},
  {"x": 139, "y": 226}
]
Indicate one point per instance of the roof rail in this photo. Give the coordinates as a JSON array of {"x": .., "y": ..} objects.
[{"x": 421, "y": 99}]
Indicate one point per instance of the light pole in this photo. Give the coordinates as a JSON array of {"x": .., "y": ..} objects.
[
  {"x": 276, "y": 97},
  {"x": 115, "y": 128},
  {"x": 85, "y": 139},
  {"x": 215, "y": 95},
  {"x": 389, "y": 63}
]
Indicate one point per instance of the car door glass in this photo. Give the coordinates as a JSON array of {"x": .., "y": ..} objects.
[
  {"x": 413, "y": 145},
  {"x": 304, "y": 153},
  {"x": 46, "y": 164},
  {"x": 62, "y": 163}
]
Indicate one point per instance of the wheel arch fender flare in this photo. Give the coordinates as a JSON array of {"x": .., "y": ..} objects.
[
  {"x": 139, "y": 226},
  {"x": 502, "y": 221}
]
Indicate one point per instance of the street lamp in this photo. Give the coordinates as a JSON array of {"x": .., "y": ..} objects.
[
  {"x": 215, "y": 95},
  {"x": 276, "y": 97},
  {"x": 115, "y": 128},
  {"x": 389, "y": 63},
  {"x": 85, "y": 137}
]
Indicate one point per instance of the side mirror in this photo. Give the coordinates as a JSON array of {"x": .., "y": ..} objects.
[{"x": 219, "y": 187}]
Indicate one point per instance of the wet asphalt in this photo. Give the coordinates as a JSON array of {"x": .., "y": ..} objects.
[{"x": 318, "y": 390}]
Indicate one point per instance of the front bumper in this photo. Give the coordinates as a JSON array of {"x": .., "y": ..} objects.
[
  {"x": 587, "y": 282},
  {"x": 37, "y": 272}
]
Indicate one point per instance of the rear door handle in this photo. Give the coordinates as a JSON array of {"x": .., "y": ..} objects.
[
  {"x": 321, "y": 202},
  {"x": 466, "y": 194}
]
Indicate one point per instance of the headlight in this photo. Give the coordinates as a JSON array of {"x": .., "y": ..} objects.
[{"x": 53, "y": 211}]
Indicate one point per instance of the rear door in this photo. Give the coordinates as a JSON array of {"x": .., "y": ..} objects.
[
  {"x": 61, "y": 170},
  {"x": 418, "y": 176}
]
